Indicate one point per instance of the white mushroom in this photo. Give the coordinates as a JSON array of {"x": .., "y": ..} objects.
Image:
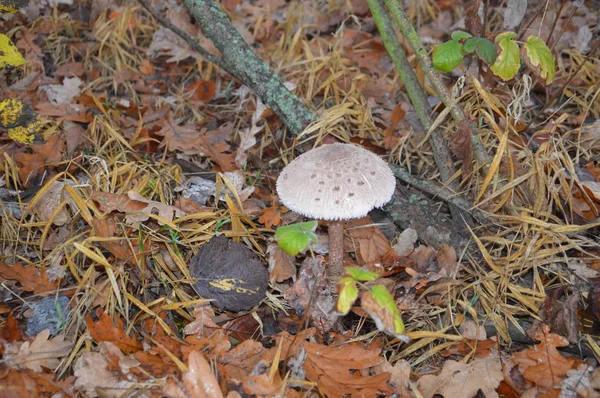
[{"x": 336, "y": 182}]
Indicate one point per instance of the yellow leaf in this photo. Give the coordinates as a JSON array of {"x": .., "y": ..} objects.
[
  {"x": 27, "y": 134},
  {"x": 539, "y": 58},
  {"x": 10, "y": 55},
  {"x": 11, "y": 6},
  {"x": 11, "y": 110},
  {"x": 508, "y": 62},
  {"x": 8, "y": 9}
]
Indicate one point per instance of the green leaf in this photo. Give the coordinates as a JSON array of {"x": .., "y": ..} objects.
[
  {"x": 296, "y": 237},
  {"x": 385, "y": 300},
  {"x": 348, "y": 293},
  {"x": 459, "y": 35},
  {"x": 380, "y": 306},
  {"x": 9, "y": 54},
  {"x": 361, "y": 275},
  {"x": 539, "y": 58},
  {"x": 484, "y": 48},
  {"x": 447, "y": 56},
  {"x": 508, "y": 63}
]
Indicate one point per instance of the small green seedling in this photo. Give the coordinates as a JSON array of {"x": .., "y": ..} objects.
[
  {"x": 295, "y": 238},
  {"x": 220, "y": 223},
  {"x": 503, "y": 57},
  {"x": 376, "y": 300}
]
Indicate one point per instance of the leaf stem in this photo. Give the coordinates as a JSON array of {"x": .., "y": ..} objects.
[{"x": 409, "y": 32}]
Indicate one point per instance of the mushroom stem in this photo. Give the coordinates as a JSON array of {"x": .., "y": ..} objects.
[{"x": 335, "y": 270}]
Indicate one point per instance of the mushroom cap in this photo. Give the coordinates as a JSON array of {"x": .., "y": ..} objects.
[{"x": 336, "y": 182}]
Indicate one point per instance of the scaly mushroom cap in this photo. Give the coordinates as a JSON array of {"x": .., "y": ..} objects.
[{"x": 336, "y": 182}]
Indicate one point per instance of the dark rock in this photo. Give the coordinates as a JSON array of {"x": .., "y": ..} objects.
[
  {"x": 230, "y": 274},
  {"x": 48, "y": 313}
]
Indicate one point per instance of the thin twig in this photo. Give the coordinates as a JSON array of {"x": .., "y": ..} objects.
[
  {"x": 556, "y": 18},
  {"x": 409, "y": 32},
  {"x": 183, "y": 34},
  {"x": 486, "y": 11},
  {"x": 441, "y": 192}
]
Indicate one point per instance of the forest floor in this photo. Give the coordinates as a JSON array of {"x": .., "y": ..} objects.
[{"x": 149, "y": 152}]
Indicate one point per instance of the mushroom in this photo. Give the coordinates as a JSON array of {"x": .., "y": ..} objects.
[{"x": 336, "y": 182}]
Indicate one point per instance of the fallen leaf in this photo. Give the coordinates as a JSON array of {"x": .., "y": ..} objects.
[
  {"x": 63, "y": 93},
  {"x": 42, "y": 352},
  {"x": 217, "y": 149},
  {"x": 70, "y": 69},
  {"x": 213, "y": 347},
  {"x": 460, "y": 145},
  {"x": 332, "y": 368},
  {"x": 514, "y": 13},
  {"x": 146, "y": 68},
  {"x": 459, "y": 379},
  {"x": 203, "y": 324},
  {"x": 310, "y": 292},
  {"x": 543, "y": 364},
  {"x": 105, "y": 330},
  {"x": 476, "y": 348},
  {"x": 96, "y": 371},
  {"x": 26, "y": 383},
  {"x": 381, "y": 307},
  {"x": 405, "y": 243},
  {"x": 239, "y": 362},
  {"x": 10, "y": 332},
  {"x": 242, "y": 328},
  {"x": 199, "y": 380},
  {"x": 204, "y": 90},
  {"x": 470, "y": 330},
  {"x": 180, "y": 137},
  {"x": 44, "y": 157},
  {"x": 154, "y": 365},
  {"x": 164, "y": 211},
  {"x": 248, "y": 136},
  {"x": 261, "y": 385},
  {"x": 26, "y": 43},
  {"x": 51, "y": 199},
  {"x": 560, "y": 312},
  {"x": 270, "y": 217},
  {"x": 399, "y": 377},
  {"x": 75, "y": 137},
  {"x": 162, "y": 336},
  {"x": 166, "y": 42},
  {"x": 64, "y": 112},
  {"x": 447, "y": 260},
  {"x": 123, "y": 248},
  {"x": 31, "y": 278},
  {"x": 282, "y": 266},
  {"x": 108, "y": 202},
  {"x": 372, "y": 242},
  {"x": 580, "y": 382}
]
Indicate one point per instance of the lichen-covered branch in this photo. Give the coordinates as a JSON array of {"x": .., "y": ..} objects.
[
  {"x": 441, "y": 153},
  {"x": 240, "y": 60}
]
